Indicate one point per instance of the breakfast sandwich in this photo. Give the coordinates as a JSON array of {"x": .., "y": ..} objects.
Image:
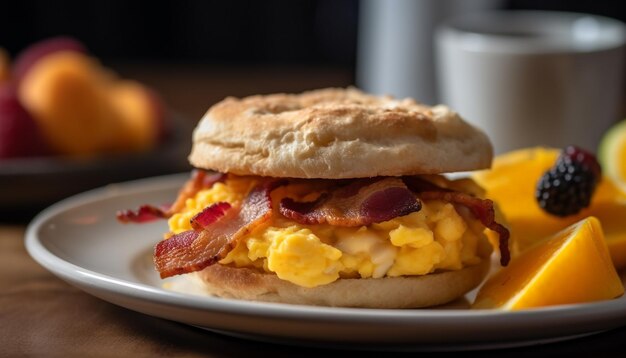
[{"x": 331, "y": 197}]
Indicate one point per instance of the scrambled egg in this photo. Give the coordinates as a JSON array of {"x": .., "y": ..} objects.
[{"x": 438, "y": 237}]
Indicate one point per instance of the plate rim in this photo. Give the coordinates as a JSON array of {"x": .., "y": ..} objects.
[{"x": 71, "y": 272}]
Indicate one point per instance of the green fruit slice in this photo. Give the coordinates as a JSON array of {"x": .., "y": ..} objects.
[{"x": 612, "y": 152}]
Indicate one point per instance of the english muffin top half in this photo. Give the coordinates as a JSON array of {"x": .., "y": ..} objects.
[{"x": 335, "y": 134}]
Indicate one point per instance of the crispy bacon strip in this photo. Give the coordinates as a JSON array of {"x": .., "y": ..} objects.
[
  {"x": 194, "y": 250},
  {"x": 145, "y": 213},
  {"x": 209, "y": 215},
  {"x": 482, "y": 209},
  {"x": 199, "y": 180},
  {"x": 362, "y": 202}
]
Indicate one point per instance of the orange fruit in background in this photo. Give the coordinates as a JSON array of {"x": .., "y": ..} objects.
[
  {"x": 66, "y": 93},
  {"x": 573, "y": 266},
  {"x": 139, "y": 128},
  {"x": 511, "y": 183},
  {"x": 82, "y": 108}
]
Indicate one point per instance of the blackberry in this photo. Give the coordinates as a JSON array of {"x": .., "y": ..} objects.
[{"x": 568, "y": 186}]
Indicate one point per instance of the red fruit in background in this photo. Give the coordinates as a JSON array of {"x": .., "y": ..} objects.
[
  {"x": 30, "y": 55},
  {"x": 19, "y": 134}
]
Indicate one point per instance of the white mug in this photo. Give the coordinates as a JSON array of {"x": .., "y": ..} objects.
[
  {"x": 533, "y": 77},
  {"x": 395, "y": 44}
]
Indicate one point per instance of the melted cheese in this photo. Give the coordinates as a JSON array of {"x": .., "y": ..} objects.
[{"x": 435, "y": 238}]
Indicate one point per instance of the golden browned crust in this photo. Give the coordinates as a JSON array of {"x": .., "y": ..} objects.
[
  {"x": 335, "y": 133},
  {"x": 388, "y": 292}
]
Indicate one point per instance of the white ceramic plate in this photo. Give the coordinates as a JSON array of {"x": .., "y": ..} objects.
[{"x": 80, "y": 241}]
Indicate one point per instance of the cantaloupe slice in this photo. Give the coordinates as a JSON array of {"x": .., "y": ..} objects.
[
  {"x": 573, "y": 266},
  {"x": 511, "y": 183}
]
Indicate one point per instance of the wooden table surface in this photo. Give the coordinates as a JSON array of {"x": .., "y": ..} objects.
[{"x": 40, "y": 315}]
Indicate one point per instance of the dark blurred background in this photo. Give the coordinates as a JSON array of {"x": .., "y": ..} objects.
[
  {"x": 217, "y": 32},
  {"x": 237, "y": 32},
  {"x": 243, "y": 46}
]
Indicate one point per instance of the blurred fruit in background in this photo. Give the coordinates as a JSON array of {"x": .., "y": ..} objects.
[
  {"x": 141, "y": 114},
  {"x": 67, "y": 95},
  {"x": 33, "y": 53},
  {"x": 19, "y": 134},
  {"x": 79, "y": 107}
]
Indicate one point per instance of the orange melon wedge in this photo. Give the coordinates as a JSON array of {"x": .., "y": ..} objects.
[
  {"x": 511, "y": 183},
  {"x": 572, "y": 266}
]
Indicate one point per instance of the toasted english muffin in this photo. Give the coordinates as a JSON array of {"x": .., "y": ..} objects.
[{"x": 335, "y": 134}]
